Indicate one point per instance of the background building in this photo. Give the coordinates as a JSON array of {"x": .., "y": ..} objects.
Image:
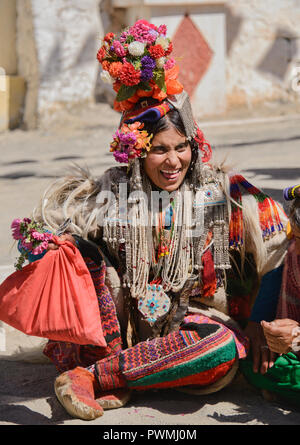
[{"x": 232, "y": 53}]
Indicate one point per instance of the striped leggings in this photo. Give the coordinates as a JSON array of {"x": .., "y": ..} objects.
[{"x": 200, "y": 353}]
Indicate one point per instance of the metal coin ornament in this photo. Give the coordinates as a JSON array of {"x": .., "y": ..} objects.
[{"x": 154, "y": 304}]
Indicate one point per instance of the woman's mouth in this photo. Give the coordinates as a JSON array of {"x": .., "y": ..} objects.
[{"x": 171, "y": 175}]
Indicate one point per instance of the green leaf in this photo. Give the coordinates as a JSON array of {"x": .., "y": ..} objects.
[
  {"x": 159, "y": 79},
  {"x": 144, "y": 86},
  {"x": 125, "y": 92}
]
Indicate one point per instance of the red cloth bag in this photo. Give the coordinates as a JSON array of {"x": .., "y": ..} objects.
[{"x": 54, "y": 298}]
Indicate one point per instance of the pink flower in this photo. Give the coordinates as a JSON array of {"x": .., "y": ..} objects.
[
  {"x": 27, "y": 244},
  {"x": 169, "y": 64},
  {"x": 144, "y": 31},
  {"x": 48, "y": 236},
  {"x": 37, "y": 235},
  {"x": 40, "y": 249},
  {"x": 16, "y": 232},
  {"x": 118, "y": 48},
  {"x": 16, "y": 223},
  {"x": 162, "y": 29}
]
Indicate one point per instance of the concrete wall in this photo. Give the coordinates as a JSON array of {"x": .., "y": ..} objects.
[
  {"x": 262, "y": 40},
  {"x": 8, "y": 56},
  {"x": 12, "y": 86},
  {"x": 262, "y": 51},
  {"x": 54, "y": 49},
  {"x": 59, "y": 64}
]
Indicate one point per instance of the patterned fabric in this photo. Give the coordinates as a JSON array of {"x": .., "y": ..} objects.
[
  {"x": 199, "y": 353},
  {"x": 270, "y": 221},
  {"x": 151, "y": 113},
  {"x": 289, "y": 300},
  {"x": 66, "y": 355},
  {"x": 241, "y": 342}
]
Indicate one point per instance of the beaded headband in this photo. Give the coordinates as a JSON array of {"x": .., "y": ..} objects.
[{"x": 291, "y": 193}]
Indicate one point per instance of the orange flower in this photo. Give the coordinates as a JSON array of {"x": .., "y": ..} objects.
[
  {"x": 115, "y": 69},
  {"x": 105, "y": 65},
  {"x": 101, "y": 54},
  {"x": 173, "y": 86}
]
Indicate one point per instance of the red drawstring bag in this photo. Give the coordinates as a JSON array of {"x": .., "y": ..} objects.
[{"x": 54, "y": 298}]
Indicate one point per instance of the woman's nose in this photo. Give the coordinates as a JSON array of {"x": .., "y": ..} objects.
[{"x": 172, "y": 158}]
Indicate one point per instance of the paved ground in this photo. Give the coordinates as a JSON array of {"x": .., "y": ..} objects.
[{"x": 265, "y": 149}]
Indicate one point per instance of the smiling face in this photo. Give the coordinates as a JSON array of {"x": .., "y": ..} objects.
[{"x": 168, "y": 160}]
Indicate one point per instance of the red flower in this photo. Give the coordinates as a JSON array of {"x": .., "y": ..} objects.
[
  {"x": 129, "y": 76},
  {"x": 170, "y": 49},
  {"x": 101, "y": 54},
  {"x": 156, "y": 51},
  {"x": 109, "y": 36}
]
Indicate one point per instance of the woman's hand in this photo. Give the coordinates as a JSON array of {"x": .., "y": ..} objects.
[
  {"x": 262, "y": 357},
  {"x": 279, "y": 334},
  {"x": 63, "y": 237}
]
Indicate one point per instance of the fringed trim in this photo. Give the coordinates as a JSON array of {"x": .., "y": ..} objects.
[{"x": 269, "y": 217}]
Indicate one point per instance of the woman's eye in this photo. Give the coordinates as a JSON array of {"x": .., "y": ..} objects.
[{"x": 158, "y": 149}]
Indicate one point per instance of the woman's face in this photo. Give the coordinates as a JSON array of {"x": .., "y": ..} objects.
[{"x": 168, "y": 160}]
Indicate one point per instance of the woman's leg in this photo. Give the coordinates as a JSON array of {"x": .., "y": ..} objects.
[{"x": 197, "y": 354}]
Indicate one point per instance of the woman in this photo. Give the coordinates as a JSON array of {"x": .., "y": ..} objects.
[
  {"x": 283, "y": 333},
  {"x": 176, "y": 246}
]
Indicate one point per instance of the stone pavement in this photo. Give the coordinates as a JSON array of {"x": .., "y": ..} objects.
[{"x": 266, "y": 150}]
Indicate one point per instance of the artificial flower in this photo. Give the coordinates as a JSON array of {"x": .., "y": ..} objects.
[
  {"x": 106, "y": 77},
  {"x": 118, "y": 49},
  {"x": 101, "y": 54},
  {"x": 161, "y": 62},
  {"x": 156, "y": 51},
  {"x": 32, "y": 238},
  {"x": 115, "y": 69},
  {"x": 130, "y": 141},
  {"x": 162, "y": 29},
  {"x": 163, "y": 42},
  {"x": 129, "y": 76},
  {"x": 169, "y": 49},
  {"x": 137, "y": 64},
  {"x": 169, "y": 64},
  {"x": 109, "y": 37},
  {"x": 136, "y": 48},
  {"x": 105, "y": 65}
]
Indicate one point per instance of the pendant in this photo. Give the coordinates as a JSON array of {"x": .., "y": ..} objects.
[{"x": 154, "y": 304}]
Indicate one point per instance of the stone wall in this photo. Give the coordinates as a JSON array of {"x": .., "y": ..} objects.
[
  {"x": 263, "y": 53},
  {"x": 262, "y": 40},
  {"x": 8, "y": 56},
  {"x": 57, "y": 41},
  {"x": 57, "y": 46}
]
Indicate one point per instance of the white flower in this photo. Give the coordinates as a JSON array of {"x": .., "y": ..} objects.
[
  {"x": 106, "y": 77},
  {"x": 162, "y": 41},
  {"x": 160, "y": 62},
  {"x": 136, "y": 48}
]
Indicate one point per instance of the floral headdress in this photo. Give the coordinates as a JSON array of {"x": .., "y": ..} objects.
[
  {"x": 130, "y": 142},
  {"x": 144, "y": 77},
  {"x": 137, "y": 64}
]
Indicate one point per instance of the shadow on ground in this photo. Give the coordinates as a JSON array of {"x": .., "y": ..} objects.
[{"x": 24, "y": 383}]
